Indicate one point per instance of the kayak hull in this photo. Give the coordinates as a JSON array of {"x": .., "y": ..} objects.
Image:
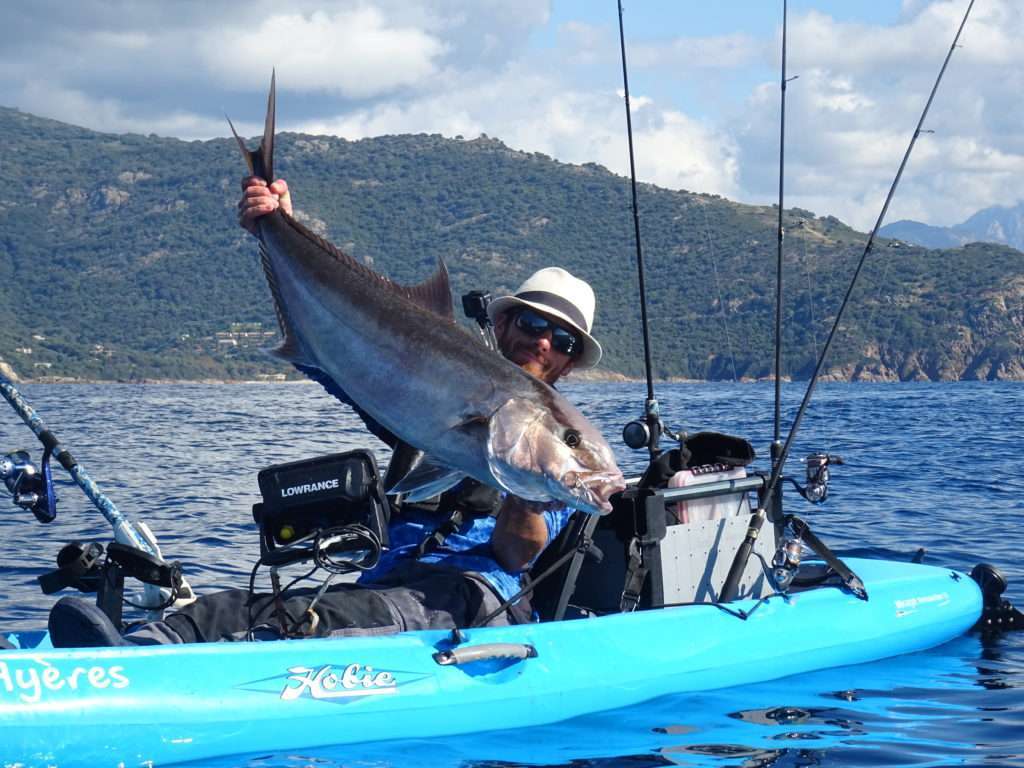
[{"x": 171, "y": 704}]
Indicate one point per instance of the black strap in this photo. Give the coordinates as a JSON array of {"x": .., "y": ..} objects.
[
  {"x": 850, "y": 579},
  {"x": 584, "y": 546},
  {"x": 555, "y": 301},
  {"x": 468, "y": 499},
  {"x": 447, "y": 527},
  {"x": 636, "y": 574}
]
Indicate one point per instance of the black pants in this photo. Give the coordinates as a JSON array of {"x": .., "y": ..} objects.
[{"x": 415, "y": 596}]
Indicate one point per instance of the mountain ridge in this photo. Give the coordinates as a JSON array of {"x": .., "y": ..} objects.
[
  {"x": 121, "y": 259},
  {"x": 996, "y": 224}
]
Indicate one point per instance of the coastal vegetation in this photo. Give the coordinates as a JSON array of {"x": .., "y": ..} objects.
[{"x": 121, "y": 258}]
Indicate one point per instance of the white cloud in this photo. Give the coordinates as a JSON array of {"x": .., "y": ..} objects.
[
  {"x": 860, "y": 93},
  {"x": 839, "y": 95},
  {"x": 705, "y": 109},
  {"x": 537, "y": 112},
  {"x": 356, "y": 53},
  {"x": 420, "y": 116},
  {"x": 128, "y": 39},
  {"x": 682, "y": 153},
  {"x": 109, "y": 114}
]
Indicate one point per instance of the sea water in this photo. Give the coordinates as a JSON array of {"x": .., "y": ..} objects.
[{"x": 933, "y": 466}]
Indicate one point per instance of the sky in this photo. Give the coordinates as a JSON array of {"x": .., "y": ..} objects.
[{"x": 546, "y": 76}]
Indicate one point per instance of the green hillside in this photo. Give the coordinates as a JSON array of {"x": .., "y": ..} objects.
[{"x": 121, "y": 258}]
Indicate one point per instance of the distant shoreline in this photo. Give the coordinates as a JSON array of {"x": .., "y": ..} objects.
[{"x": 589, "y": 378}]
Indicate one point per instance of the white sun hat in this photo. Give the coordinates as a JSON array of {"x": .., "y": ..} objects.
[{"x": 555, "y": 292}]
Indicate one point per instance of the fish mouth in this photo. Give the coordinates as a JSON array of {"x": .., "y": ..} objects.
[{"x": 591, "y": 492}]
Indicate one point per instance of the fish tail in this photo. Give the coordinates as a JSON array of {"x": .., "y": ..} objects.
[{"x": 261, "y": 160}]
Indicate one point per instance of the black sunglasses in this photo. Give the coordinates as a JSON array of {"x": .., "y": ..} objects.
[{"x": 534, "y": 324}]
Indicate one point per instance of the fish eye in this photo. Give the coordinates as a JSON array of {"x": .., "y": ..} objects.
[{"x": 572, "y": 438}]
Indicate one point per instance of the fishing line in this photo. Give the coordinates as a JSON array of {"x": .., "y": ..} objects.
[
  {"x": 810, "y": 289},
  {"x": 866, "y": 325},
  {"x": 811, "y": 302},
  {"x": 718, "y": 289},
  {"x": 757, "y": 520},
  {"x": 876, "y": 310},
  {"x": 776, "y": 473}
]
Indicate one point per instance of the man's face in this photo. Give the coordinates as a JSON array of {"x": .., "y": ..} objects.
[{"x": 534, "y": 354}]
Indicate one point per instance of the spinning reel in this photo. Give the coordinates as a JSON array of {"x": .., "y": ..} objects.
[
  {"x": 643, "y": 433},
  {"x": 818, "y": 477},
  {"x": 30, "y": 487}
]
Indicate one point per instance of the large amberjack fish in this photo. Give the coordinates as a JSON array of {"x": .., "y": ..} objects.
[{"x": 397, "y": 356}]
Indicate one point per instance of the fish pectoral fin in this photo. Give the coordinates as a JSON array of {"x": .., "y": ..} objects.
[
  {"x": 404, "y": 459},
  {"x": 427, "y": 479},
  {"x": 472, "y": 423}
]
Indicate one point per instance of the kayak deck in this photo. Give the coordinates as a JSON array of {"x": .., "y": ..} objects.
[{"x": 178, "y": 703}]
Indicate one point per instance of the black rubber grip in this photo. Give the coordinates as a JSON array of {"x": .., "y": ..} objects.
[
  {"x": 48, "y": 439},
  {"x": 66, "y": 460}
]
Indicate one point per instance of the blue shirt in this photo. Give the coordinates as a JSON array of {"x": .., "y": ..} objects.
[{"x": 467, "y": 549}]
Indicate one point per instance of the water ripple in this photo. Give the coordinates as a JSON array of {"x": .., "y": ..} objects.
[{"x": 928, "y": 465}]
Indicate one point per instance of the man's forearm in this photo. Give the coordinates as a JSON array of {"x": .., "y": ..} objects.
[{"x": 520, "y": 533}]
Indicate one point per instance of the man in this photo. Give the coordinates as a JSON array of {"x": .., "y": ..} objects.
[{"x": 451, "y": 563}]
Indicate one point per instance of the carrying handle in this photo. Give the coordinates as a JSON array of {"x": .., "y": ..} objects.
[{"x": 459, "y": 656}]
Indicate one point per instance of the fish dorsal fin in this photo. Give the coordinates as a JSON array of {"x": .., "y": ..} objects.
[
  {"x": 290, "y": 349},
  {"x": 434, "y": 293}
]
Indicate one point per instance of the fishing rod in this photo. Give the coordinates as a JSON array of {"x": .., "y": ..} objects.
[
  {"x": 776, "y": 441},
  {"x": 124, "y": 531},
  {"x": 739, "y": 564},
  {"x": 651, "y": 410}
]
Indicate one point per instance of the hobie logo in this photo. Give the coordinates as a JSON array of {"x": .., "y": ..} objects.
[
  {"x": 911, "y": 604},
  {"x": 325, "y": 683}
]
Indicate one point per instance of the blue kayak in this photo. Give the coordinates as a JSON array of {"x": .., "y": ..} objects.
[{"x": 166, "y": 704}]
